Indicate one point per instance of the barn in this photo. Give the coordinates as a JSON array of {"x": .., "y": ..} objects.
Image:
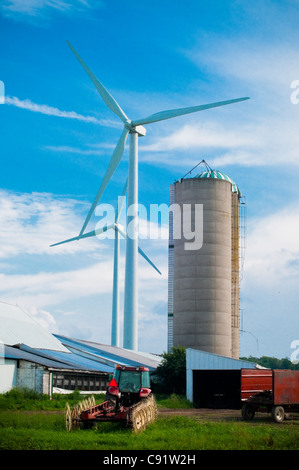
[{"x": 33, "y": 358}]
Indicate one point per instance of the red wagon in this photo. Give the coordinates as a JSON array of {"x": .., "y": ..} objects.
[{"x": 274, "y": 391}]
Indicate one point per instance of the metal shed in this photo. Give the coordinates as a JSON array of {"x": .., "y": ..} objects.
[{"x": 213, "y": 381}]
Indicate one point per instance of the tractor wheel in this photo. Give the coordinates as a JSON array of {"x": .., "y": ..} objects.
[
  {"x": 152, "y": 408},
  {"x": 68, "y": 418},
  {"x": 80, "y": 407},
  {"x": 85, "y": 404},
  {"x": 144, "y": 419},
  {"x": 278, "y": 414},
  {"x": 137, "y": 421},
  {"x": 91, "y": 401},
  {"x": 143, "y": 413},
  {"x": 149, "y": 413},
  {"x": 75, "y": 417}
]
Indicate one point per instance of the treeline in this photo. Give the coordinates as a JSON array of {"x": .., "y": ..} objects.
[{"x": 272, "y": 362}]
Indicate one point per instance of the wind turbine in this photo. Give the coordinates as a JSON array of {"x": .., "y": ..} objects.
[
  {"x": 118, "y": 231},
  {"x": 135, "y": 129}
]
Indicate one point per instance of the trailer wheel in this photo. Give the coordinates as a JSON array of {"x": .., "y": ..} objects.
[
  {"x": 278, "y": 414},
  {"x": 247, "y": 412}
]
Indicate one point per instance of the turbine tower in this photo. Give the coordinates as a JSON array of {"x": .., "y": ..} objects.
[
  {"x": 118, "y": 231},
  {"x": 135, "y": 129}
]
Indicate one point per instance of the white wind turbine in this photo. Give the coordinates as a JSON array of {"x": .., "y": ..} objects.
[
  {"x": 115, "y": 294},
  {"x": 135, "y": 129}
]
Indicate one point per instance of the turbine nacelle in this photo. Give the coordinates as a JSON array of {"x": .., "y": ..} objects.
[{"x": 140, "y": 130}]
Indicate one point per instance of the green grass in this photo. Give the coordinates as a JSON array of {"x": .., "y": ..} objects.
[
  {"x": 40, "y": 425},
  {"x": 23, "y": 399},
  {"x": 173, "y": 401}
]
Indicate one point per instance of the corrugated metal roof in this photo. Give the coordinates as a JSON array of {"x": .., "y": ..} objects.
[
  {"x": 71, "y": 360},
  {"x": 54, "y": 359},
  {"x": 197, "y": 360},
  {"x": 17, "y": 327},
  {"x": 111, "y": 355},
  {"x": 37, "y": 345},
  {"x": 83, "y": 357},
  {"x": 18, "y": 353}
]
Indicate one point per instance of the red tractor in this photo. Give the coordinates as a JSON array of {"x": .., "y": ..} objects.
[{"x": 129, "y": 400}]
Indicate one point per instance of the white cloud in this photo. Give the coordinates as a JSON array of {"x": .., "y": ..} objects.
[
  {"x": 33, "y": 7},
  {"x": 52, "y": 111},
  {"x": 69, "y": 149},
  {"x": 272, "y": 253},
  {"x": 256, "y": 64},
  {"x": 269, "y": 288},
  {"x": 37, "y": 290},
  {"x": 30, "y": 223},
  {"x": 19, "y": 9},
  {"x": 43, "y": 318},
  {"x": 200, "y": 136}
]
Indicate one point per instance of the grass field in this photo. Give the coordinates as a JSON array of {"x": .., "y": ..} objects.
[{"x": 39, "y": 424}]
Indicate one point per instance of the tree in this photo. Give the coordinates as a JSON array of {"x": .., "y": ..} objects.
[
  {"x": 272, "y": 362},
  {"x": 171, "y": 372}
]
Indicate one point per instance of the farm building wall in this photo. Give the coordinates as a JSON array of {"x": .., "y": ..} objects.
[
  {"x": 197, "y": 361},
  {"x": 8, "y": 374},
  {"x": 33, "y": 377}
]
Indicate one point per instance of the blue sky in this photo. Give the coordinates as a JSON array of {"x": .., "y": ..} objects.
[{"x": 57, "y": 137}]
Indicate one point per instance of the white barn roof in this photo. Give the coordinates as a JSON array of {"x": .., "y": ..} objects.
[
  {"x": 23, "y": 338},
  {"x": 17, "y": 327}
]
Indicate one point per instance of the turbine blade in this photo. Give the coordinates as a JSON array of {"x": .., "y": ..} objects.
[
  {"x": 90, "y": 234},
  {"x": 93, "y": 233},
  {"x": 108, "y": 99},
  {"x": 141, "y": 252},
  {"x": 65, "y": 241},
  {"x": 121, "y": 202},
  {"x": 161, "y": 116},
  {"x": 114, "y": 162},
  {"x": 148, "y": 260}
]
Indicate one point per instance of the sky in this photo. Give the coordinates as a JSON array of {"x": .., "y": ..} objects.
[{"x": 57, "y": 138}]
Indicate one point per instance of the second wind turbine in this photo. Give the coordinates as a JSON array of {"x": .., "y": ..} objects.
[{"x": 135, "y": 129}]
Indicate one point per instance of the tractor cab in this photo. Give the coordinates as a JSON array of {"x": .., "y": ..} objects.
[{"x": 130, "y": 384}]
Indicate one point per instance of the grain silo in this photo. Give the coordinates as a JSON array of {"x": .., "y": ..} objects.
[{"x": 203, "y": 291}]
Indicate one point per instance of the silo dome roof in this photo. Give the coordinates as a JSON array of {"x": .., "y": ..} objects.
[{"x": 214, "y": 174}]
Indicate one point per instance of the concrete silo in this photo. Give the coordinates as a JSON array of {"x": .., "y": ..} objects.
[{"x": 203, "y": 294}]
